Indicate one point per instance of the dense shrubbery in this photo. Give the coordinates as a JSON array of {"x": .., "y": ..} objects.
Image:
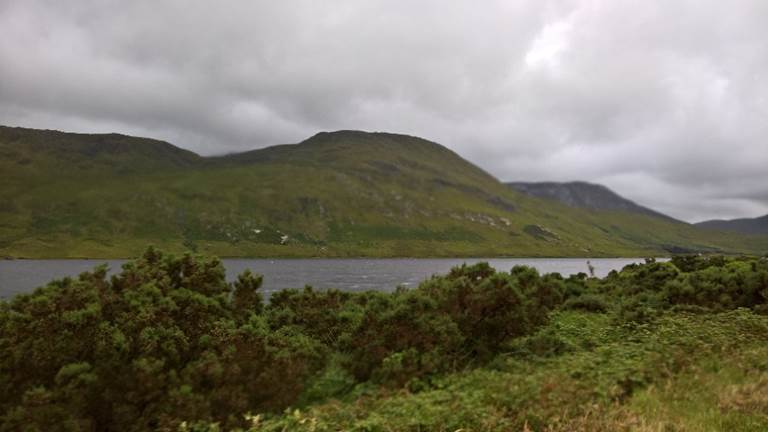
[
  {"x": 691, "y": 283},
  {"x": 674, "y": 375},
  {"x": 168, "y": 340},
  {"x": 164, "y": 340}
]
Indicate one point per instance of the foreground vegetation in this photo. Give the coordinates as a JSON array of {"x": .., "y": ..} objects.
[
  {"x": 336, "y": 194},
  {"x": 167, "y": 344}
]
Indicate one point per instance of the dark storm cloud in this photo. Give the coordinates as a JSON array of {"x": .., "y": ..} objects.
[{"x": 664, "y": 101}]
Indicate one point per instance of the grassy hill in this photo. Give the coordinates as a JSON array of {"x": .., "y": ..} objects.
[{"x": 343, "y": 193}]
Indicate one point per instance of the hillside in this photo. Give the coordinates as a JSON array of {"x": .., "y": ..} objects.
[
  {"x": 752, "y": 226},
  {"x": 343, "y": 193},
  {"x": 584, "y": 195},
  {"x": 68, "y": 153}
]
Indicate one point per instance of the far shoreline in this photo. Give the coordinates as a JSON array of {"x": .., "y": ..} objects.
[{"x": 360, "y": 257}]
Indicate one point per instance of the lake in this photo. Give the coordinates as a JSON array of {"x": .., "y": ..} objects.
[{"x": 361, "y": 274}]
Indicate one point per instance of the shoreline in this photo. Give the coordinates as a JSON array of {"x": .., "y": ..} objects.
[{"x": 365, "y": 257}]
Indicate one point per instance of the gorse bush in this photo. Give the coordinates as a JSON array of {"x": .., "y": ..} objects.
[
  {"x": 490, "y": 307},
  {"x": 168, "y": 342},
  {"x": 166, "y": 339},
  {"x": 447, "y": 322},
  {"x": 642, "y": 291}
]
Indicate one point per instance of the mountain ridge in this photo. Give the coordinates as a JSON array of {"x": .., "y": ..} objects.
[
  {"x": 585, "y": 195},
  {"x": 348, "y": 193},
  {"x": 94, "y": 145},
  {"x": 752, "y": 226}
]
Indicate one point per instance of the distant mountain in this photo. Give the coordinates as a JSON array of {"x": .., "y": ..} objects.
[
  {"x": 584, "y": 195},
  {"x": 757, "y": 225},
  {"x": 344, "y": 193}
]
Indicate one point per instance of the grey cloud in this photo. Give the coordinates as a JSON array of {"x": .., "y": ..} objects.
[{"x": 664, "y": 101}]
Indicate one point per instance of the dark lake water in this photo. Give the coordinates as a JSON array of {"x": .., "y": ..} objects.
[{"x": 18, "y": 276}]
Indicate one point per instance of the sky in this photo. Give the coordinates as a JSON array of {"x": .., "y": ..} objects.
[{"x": 665, "y": 102}]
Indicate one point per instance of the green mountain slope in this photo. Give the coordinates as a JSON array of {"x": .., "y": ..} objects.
[{"x": 344, "y": 193}]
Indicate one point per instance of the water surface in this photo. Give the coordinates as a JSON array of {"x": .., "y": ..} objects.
[{"x": 346, "y": 274}]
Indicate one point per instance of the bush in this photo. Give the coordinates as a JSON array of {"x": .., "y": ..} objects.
[
  {"x": 587, "y": 302},
  {"x": 687, "y": 283},
  {"x": 168, "y": 342},
  {"x": 167, "y": 339}
]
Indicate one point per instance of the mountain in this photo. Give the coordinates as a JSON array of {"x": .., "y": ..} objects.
[
  {"x": 344, "y": 193},
  {"x": 65, "y": 152},
  {"x": 584, "y": 195},
  {"x": 750, "y": 226}
]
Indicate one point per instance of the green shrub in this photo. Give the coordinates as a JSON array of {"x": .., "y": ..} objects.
[
  {"x": 168, "y": 344},
  {"x": 164, "y": 340},
  {"x": 587, "y": 302}
]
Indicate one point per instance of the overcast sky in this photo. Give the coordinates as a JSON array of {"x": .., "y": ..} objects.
[{"x": 664, "y": 101}]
